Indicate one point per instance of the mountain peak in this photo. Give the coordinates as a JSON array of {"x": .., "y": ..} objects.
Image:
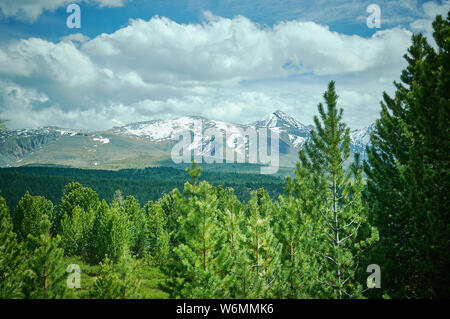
[
  {"x": 281, "y": 114},
  {"x": 280, "y": 119},
  {"x": 151, "y": 139}
]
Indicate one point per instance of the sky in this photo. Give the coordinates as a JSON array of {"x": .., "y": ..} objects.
[{"x": 228, "y": 60}]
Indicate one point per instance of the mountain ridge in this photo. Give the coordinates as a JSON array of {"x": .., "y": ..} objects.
[{"x": 148, "y": 143}]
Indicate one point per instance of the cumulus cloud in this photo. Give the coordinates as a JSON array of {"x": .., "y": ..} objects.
[
  {"x": 430, "y": 11},
  {"x": 228, "y": 69},
  {"x": 77, "y": 38},
  {"x": 240, "y": 49},
  {"x": 30, "y": 10}
]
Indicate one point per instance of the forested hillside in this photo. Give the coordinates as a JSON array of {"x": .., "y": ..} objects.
[
  {"x": 167, "y": 233},
  {"x": 144, "y": 184}
]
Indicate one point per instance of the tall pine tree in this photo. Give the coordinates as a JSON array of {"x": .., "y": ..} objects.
[
  {"x": 28, "y": 215},
  {"x": 262, "y": 249},
  {"x": 12, "y": 260},
  {"x": 408, "y": 172},
  {"x": 196, "y": 267},
  {"x": 338, "y": 215},
  {"x": 157, "y": 236},
  {"x": 47, "y": 276}
]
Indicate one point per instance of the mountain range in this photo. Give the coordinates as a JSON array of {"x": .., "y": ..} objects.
[{"x": 150, "y": 143}]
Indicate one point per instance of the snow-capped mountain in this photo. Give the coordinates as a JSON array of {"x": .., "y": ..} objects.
[
  {"x": 294, "y": 133},
  {"x": 281, "y": 120},
  {"x": 147, "y": 143},
  {"x": 165, "y": 130},
  {"x": 359, "y": 139},
  {"x": 44, "y": 131},
  {"x": 17, "y": 144}
]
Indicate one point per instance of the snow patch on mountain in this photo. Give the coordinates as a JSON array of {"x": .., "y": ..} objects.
[
  {"x": 67, "y": 132},
  {"x": 159, "y": 130},
  {"x": 289, "y": 129},
  {"x": 102, "y": 140},
  {"x": 361, "y": 137},
  {"x": 15, "y": 144},
  {"x": 279, "y": 119},
  {"x": 297, "y": 141}
]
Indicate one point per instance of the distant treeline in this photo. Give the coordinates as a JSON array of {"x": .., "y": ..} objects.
[{"x": 144, "y": 184}]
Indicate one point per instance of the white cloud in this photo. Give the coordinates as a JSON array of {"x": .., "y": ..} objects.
[
  {"x": 77, "y": 38},
  {"x": 237, "y": 49},
  {"x": 57, "y": 64},
  {"x": 430, "y": 11},
  {"x": 111, "y": 3},
  {"x": 30, "y": 10},
  {"x": 229, "y": 69}
]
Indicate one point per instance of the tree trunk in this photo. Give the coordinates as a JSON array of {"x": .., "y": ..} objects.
[{"x": 336, "y": 236}]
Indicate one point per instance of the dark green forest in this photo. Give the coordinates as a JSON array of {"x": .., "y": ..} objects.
[
  {"x": 144, "y": 184},
  {"x": 165, "y": 233}
]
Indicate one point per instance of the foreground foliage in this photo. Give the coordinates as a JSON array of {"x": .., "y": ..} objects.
[{"x": 408, "y": 173}]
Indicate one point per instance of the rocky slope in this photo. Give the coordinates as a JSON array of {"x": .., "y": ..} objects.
[{"x": 148, "y": 143}]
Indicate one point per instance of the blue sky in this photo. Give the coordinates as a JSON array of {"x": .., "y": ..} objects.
[
  {"x": 134, "y": 60},
  {"x": 340, "y": 16}
]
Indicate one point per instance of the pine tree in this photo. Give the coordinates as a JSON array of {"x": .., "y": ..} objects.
[
  {"x": 75, "y": 194},
  {"x": 76, "y": 232},
  {"x": 408, "y": 173},
  {"x": 75, "y": 222},
  {"x": 242, "y": 277},
  {"x": 158, "y": 237},
  {"x": 194, "y": 172},
  {"x": 107, "y": 285},
  {"x": 232, "y": 262},
  {"x": 98, "y": 237},
  {"x": 174, "y": 205},
  {"x": 12, "y": 260},
  {"x": 117, "y": 199},
  {"x": 137, "y": 225},
  {"x": 47, "y": 276},
  {"x": 262, "y": 249},
  {"x": 291, "y": 230},
  {"x": 117, "y": 281},
  {"x": 129, "y": 273},
  {"x": 118, "y": 236},
  {"x": 194, "y": 268},
  {"x": 28, "y": 215},
  {"x": 198, "y": 253},
  {"x": 300, "y": 207},
  {"x": 71, "y": 232},
  {"x": 110, "y": 234},
  {"x": 339, "y": 216}
]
